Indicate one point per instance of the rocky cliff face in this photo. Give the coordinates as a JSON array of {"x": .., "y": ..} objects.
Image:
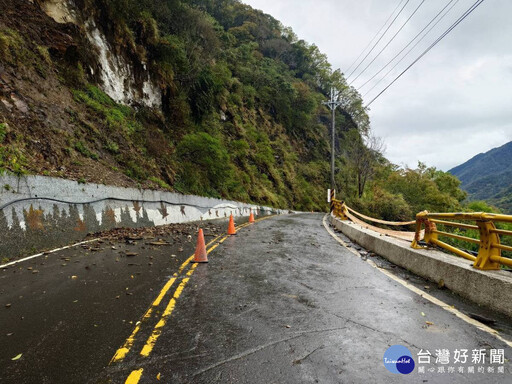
[
  {"x": 48, "y": 49},
  {"x": 61, "y": 11},
  {"x": 201, "y": 97},
  {"x": 118, "y": 76},
  {"x": 119, "y": 79}
]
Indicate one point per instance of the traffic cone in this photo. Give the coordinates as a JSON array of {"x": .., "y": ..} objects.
[
  {"x": 200, "y": 256},
  {"x": 231, "y": 226},
  {"x": 251, "y": 217}
]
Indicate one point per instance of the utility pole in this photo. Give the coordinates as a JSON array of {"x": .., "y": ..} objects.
[{"x": 332, "y": 104}]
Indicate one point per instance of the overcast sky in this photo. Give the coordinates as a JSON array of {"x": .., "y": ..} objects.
[{"x": 454, "y": 103}]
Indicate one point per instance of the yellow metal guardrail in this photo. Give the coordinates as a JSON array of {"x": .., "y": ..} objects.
[
  {"x": 339, "y": 209},
  {"x": 489, "y": 252},
  {"x": 344, "y": 212}
]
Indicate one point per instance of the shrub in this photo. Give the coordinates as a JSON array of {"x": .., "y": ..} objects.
[
  {"x": 3, "y": 132},
  {"x": 116, "y": 116},
  {"x": 162, "y": 184},
  {"x": 135, "y": 171},
  {"x": 84, "y": 150},
  {"x": 12, "y": 46},
  {"x": 206, "y": 163},
  {"x": 385, "y": 205},
  {"x": 11, "y": 157},
  {"x": 112, "y": 147}
]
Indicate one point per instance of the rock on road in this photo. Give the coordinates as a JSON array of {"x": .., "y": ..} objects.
[{"x": 281, "y": 302}]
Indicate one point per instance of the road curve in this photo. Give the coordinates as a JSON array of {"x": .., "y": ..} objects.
[
  {"x": 283, "y": 302},
  {"x": 280, "y": 302}
]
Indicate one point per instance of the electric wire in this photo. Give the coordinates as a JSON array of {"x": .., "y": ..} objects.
[
  {"x": 389, "y": 42},
  {"x": 466, "y": 14},
  {"x": 410, "y": 42},
  {"x": 380, "y": 38},
  {"x": 408, "y": 52},
  {"x": 374, "y": 37}
]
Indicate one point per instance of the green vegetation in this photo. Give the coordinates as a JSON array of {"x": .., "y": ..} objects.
[
  {"x": 115, "y": 116},
  {"x": 135, "y": 171},
  {"x": 84, "y": 150},
  {"x": 162, "y": 184},
  {"x": 15, "y": 51},
  {"x": 393, "y": 193},
  {"x": 12, "y": 46},
  {"x": 398, "y": 194},
  {"x": 11, "y": 157},
  {"x": 205, "y": 168},
  {"x": 242, "y": 114},
  {"x": 477, "y": 206},
  {"x": 241, "y": 118},
  {"x": 112, "y": 147},
  {"x": 3, "y": 132}
]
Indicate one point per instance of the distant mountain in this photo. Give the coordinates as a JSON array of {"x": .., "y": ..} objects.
[{"x": 488, "y": 176}]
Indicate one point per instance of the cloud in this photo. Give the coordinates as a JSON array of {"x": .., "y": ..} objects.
[{"x": 453, "y": 104}]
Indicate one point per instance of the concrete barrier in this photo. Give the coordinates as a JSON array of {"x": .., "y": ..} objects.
[
  {"x": 39, "y": 213},
  {"x": 492, "y": 289}
]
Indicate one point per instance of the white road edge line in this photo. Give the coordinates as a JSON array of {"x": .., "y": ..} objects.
[
  {"x": 46, "y": 253},
  {"x": 423, "y": 294},
  {"x": 52, "y": 251}
]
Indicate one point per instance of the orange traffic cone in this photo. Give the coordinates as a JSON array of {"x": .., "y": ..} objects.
[
  {"x": 251, "y": 217},
  {"x": 200, "y": 256},
  {"x": 231, "y": 226}
]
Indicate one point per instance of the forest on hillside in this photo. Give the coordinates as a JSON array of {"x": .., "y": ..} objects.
[
  {"x": 241, "y": 116},
  {"x": 488, "y": 176}
]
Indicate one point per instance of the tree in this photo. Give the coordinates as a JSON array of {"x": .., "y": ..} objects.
[{"x": 362, "y": 155}]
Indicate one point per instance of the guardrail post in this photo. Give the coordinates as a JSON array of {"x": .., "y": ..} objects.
[
  {"x": 343, "y": 213},
  {"x": 339, "y": 209},
  {"x": 486, "y": 250},
  {"x": 417, "y": 234},
  {"x": 430, "y": 236}
]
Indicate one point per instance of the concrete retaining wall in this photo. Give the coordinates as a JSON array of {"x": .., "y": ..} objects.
[
  {"x": 492, "y": 289},
  {"x": 38, "y": 213}
]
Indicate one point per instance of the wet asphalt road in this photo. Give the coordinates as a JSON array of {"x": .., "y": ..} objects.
[
  {"x": 281, "y": 302},
  {"x": 69, "y": 311}
]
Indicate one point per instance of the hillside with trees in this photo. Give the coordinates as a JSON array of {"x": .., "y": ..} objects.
[
  {"x": 238, "y": 112},
  {"x": 488, "y": 176}
]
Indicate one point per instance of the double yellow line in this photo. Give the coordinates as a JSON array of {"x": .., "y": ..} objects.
[
  {"x": 125, "y": 349},
  {"x": 122, "y": 352}
]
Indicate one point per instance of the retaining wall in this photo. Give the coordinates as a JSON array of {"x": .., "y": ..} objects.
[
  {"x": 492, "y": 289},
  {"x": 38, "y": 213}
]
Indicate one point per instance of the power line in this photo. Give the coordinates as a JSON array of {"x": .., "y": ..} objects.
[
  {"x": 466, "y": 14},
  {"x": 389, "y": 42},
  {"x": 374, "y": 37},
  {"x": 410, "y": 42},
  {"x": 410, "y": 50},
  {"x": 380, "y": 38}
]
